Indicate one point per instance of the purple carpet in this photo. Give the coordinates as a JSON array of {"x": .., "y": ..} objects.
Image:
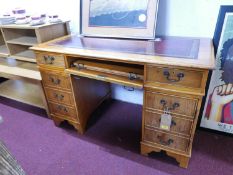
[{"x": 109, "y": 147}]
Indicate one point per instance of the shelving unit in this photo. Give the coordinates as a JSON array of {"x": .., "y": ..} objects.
[
  {"x": 18, "y": 62},
  {"x": 15, "y": 40}
]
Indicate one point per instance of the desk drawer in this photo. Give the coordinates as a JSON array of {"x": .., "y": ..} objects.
[
  {"x": 174, "y": 76},
  {"x": 179, "y": 125},
  {"x": 59, "y": 96},
  {"x": 175, "y": 104},
  {"x": 52, "y": 79},
  {"x": 166, "y": 140},
  {"x": 62, "y": 110},
  {"x": 52, "y": 60}
]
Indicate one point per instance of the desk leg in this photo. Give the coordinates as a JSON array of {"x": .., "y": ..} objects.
[
  {"x": 57, "y": 121},
  {"x": 181, "y": 159},
  {"x": 145, "y": 150},
  {"x": 78, "y": 127}
]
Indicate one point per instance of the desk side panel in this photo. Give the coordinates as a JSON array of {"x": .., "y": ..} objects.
[{"x": 89, "y": 94}]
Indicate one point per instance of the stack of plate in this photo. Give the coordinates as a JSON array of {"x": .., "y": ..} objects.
[
  {"x": 20, "y": 15},
  {"x": 37, "y": 20},
  {"x": 54, "y": 19},
  {"x": 7, "y": 20}
]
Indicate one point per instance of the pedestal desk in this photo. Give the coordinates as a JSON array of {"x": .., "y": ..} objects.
[{"x": 76, "y": 72}]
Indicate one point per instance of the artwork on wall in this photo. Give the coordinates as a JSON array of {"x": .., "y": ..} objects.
[
  {"x": 218, "y": 111},
  {"x": 119, "y": 18}
]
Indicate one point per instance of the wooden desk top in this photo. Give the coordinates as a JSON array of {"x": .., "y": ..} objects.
[{"x": 175, "y": 51}]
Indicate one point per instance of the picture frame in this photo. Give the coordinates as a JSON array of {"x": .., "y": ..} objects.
[
  {"x": 134, "y": 19},
  {"x": 217, "y": 115}
]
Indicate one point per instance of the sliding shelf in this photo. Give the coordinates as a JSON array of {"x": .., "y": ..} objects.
[
  {"x": 107, "y": 77},
  {"x": 130, "y": 75}
]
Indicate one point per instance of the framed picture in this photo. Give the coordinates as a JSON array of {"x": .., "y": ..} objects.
[
  {"x": 218, "y": 110},
  {"x": 119, "y": 18}
]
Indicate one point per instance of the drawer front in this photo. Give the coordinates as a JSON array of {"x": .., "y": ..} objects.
[
  {"x": 167, "y": 140},
  {"x": 178, "y": 125},
  {"x": 180, "y": 77},
  {"x": 51, "y": 79},
  {"x": 58, "y": 109},
  {"x": 59, "y": 96},
  {"x": 50, "y": 60},
  {"x": 175, "y": 104}
]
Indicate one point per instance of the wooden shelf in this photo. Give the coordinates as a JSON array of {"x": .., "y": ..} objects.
[
  {"x": 4, "y": 51},
  {"x": 24, "y": 40},
  {"x": 26, "y": 55},
  {"x": 17, "y": 68},
  {"x": 22, "y": 91}
]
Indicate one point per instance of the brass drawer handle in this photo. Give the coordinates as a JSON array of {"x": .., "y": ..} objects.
[
  {"x": 51, "y": 79},
  {"x": 49, "y": 59},
  {"x": 173, "y": 123},
  {"x": 164, "y": 103},
  {"x": 62, "y": 108},
  {"x": 59, "y": 97},
  {"x": 79, "y": 66},
  {"x": 55, "y": 81},
  {"x": 59, "y": 107},
  {"x": 65, "y": 110},
  {"x": 167, "y": 74},
  {"x": 133, "y": 76},
  {"x": 165, "y": 143}
]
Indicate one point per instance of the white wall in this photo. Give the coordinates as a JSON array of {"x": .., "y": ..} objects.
[
  {"x": 175, "y": 18},
  {"x": 189, "y": 17}
]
